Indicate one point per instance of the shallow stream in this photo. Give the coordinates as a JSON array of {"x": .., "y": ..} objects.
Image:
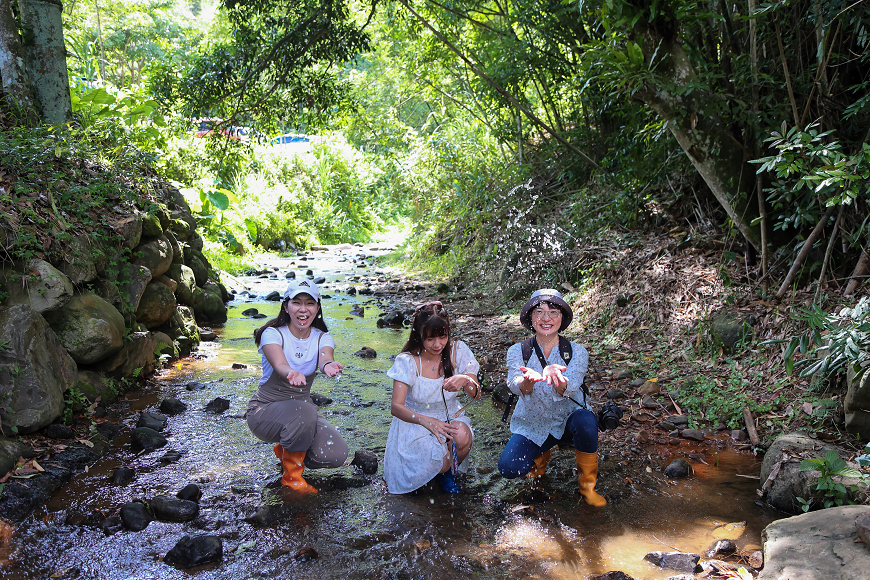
[{"x": 495, "y": 528}]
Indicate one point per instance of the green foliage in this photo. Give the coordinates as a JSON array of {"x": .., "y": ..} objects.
[
  {"x": 827, "y": 492},
  {"x": 718, "y": 400},
  {"x": 74, "y": 401},
  {"x": 832, "y": 341}
]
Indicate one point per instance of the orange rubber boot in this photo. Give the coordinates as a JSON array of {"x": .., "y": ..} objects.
[
  {"x": 293, "y": 463},
  {"x": 540, "y": 465},
  {"x": 587, "y": 466}
]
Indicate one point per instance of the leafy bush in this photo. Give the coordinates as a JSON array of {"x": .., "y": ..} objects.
[{"x": 828, "y": 492}]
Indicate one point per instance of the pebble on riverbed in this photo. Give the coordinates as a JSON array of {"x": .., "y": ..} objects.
[
  {"x": 190, "y": 492},
  {"x": 365, "y": 460},
  {"x": 678, "y": 468},
  {"x": 143, "y": 438},
  {"x": 217, "y": 405},
  {"x": 195, "y": 551},
  {"x": 122, "y": 476},
  {"x": 135, "y": 516},
  {"x": 172, "y": 509},
  {"x": 172, "y": 406},
  {"x": 679, "y": 561}
]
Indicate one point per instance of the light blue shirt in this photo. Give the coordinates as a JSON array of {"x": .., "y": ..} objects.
[{"x": 544, "y": 411}]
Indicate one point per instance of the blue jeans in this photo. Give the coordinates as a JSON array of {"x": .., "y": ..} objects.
[{"x": 518, "y": 457}]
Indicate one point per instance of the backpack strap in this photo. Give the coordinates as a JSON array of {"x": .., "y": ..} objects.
[{"x": 565, "y": 351}]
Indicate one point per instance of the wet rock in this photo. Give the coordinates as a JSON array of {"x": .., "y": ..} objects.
[
  {"x": 190, "y": 492},
  {"x": 195, "y": 386},
  {"x": 721, "y": 548},
  {"x": 615, "y": 575},
  {"x": 679, "y": 561},
  {"x": 394, "y": 318},
  {"x": 112, "y": 525},
  {"x": 614, "y": 394},
  {"x": 642, "y": 436},
  {"x": 259, "y": 316},
  {"x": 739, "y": 435},
  {"x": 306, "y": 555},
  {"x": 637, "y": 382},
  {"x": 274, "y": 296},
  {"x": 679, "y": 420},
  {"x": 442, "y": 288},
  {"x": 290, "y": 275},
  {"x": 678, "y": 468},
  {"x": 154, "y": 421},
  {"x": 270, "y": 515},
  {"x": 170, "y": 457},
  {"x": 351, "y": 291},
  {"x": 250, "y": 312},
  {"x": 309, "y": 272},
  {"x": 319, "y": 280},
  {"x": 195, "y": 551},
  {"x": 340, "y": 482},
  {"x": 756, "y": 559},
  {"x": 58, "y": 431},
  {"x": 172, "y": 509},
  {"x": 320, "y": 400},
  {"x": 365, "y": 460},
  {"x": 172, "y": 406},
  {"x": 818, "y": 544},
  {"x": 366, "y": 352},
  {"x": 666, "y": 426},
  {"x": 135, "y": 516},
  {"x": 693, "y": 434},
  {"x": 207, "y": 335},
  {"x": 238, "y": 366},
  {"x": 217, "y": 405},
  {"x": 366, "y": 291},
  {"x": 122, "y": 476},
  {"x": 143, "y": 438}
]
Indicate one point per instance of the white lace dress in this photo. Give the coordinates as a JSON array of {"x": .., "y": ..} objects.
[{"x": 413, "y": 455}]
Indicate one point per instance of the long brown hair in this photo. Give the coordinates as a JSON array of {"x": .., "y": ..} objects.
[
  {"x": 283, "y": 319},
  {"x": 430, "y": 321}
]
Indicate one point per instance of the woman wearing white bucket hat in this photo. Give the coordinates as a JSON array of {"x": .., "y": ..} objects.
[
  {"x": 294, "y": 346},
  {"x": 552, "y": 405}
]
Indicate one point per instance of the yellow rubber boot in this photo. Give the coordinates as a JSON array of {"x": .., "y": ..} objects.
[
  {"x": 293, "y": 463},
  {"x": 540, "y": 465},
  {"x": 587, "y": 467}
]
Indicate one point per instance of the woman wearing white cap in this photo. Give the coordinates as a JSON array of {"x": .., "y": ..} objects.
[
  {"x": 547, "y": 373},
  {"x": 294, "y": 345}
]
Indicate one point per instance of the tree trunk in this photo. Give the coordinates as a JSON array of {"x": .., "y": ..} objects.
[
  {"x": 17, "y": 85},
  {"x": 714, "y": 152},
  {"x": 45, "y": 56}
]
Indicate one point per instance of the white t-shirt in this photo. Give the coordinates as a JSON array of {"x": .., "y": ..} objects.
[{"x": 301, "y": 354}]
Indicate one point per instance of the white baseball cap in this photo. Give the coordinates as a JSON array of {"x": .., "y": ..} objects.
[{"x": 302, "y": 286}]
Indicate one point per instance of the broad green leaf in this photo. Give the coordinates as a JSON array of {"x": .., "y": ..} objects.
[{"x": 218, "y": 199}]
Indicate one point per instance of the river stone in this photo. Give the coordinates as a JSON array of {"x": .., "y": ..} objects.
[
  {"x": 80, "y": 266},
  {"x": 250, "y": 312},
  {"x": 649, "y": 388},
  {"x": 177, "y": 252},
  {"x": 132, "y": 280},
  {"x": 614, "y": 394},
  {"x": 196, "y": 242},
  {"x": 679, "y": 561},
  {"x": 729, "y": 328},
  {"x": 862, "y": 527},
  {"x": 151, "y": 227},
  {"x": 154, "y": 421},
  {"x": 42, "y": 286},
  {"x": 112, "y": 525},
  {"x": 365, "y": 460},
  {"x": 122, "y": 476},
  {"x": 172, "y": 509},
  {"x": 58, "y": 431},
  {"x": 165, "y": 345},
  {"x": 857, "y": 403},
  {"x": 145, "y": 439},
  {"x": 135, "y": 359},
  {"x": 273, "y": 296},
  {"x": 38, "y": 370},
  {"x": 156, "y": 255},
  {"x": 693, "y": 434},
  {"x": 172, "y": 406},
  {"x": 366, "y": 352},
  {"x": 818, "y": 545},
  {"x": 195, "y": 551},
  {"x": 678, "y": 468},
  {"x": 208, "y": 304},
  {"x": 501, "y": 393},
  {"x": 186, "y": 282},
  {"x": 649, "y": 403},
  {"x": 679, "y": 420},
  {"x": 171, "y": 456},
  {"x": 320, "y": 400},
  {"x": 217, "y": 405},
  {"x": 10, "y": 451},
  {"x": 89, "y": 328},
  {"x": 180, "y": 228},
  {"x": 197, "y": 262},
  {"x": 135, "y": 516},
  {"x": 190, "y": 492},
  {"x": 207, "y": 335},
  {"x": 319, "y": 280},
  {"x": 721, "y": 547},
  {"x": 129, "y": 227},
  {"x": 168, "y": 282},
  {"x": 94, "y": 385},
  {"x": 394, "y": 318},
  {"x": 157, "y": 305},
  {"x": 183, "y": 323},
  {"x": 614, "y": 575},
  {"x": 790, "y": 483}
]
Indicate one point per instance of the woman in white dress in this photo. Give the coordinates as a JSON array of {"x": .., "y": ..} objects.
[{"x": 429, "y": 436}]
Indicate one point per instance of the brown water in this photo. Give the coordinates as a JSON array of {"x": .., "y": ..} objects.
[{"x": 495, "y": 528}]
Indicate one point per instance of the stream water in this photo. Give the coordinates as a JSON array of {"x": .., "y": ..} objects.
[{"x": 495, "y": 528}]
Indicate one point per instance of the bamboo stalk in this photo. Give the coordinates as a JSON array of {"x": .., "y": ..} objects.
[
  {"x": 794, "y": 108},
  {"x": 857, "y": 273},
  {"x": 828, "y": 251}
]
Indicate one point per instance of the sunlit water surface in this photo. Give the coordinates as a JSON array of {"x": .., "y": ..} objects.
[{"x": 494, "y": 529}]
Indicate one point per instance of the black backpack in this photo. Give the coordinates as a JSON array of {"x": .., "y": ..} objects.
[{"x": 529, "y": 345}]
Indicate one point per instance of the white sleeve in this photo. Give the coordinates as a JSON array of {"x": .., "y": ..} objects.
[
  {"x": 466, "y": 364},
  {"x": 403, "y": 369},
  {"x": 271, "y": 336}
]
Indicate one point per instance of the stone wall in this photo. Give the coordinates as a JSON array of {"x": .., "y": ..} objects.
[{"x": 116, "y": 306}]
